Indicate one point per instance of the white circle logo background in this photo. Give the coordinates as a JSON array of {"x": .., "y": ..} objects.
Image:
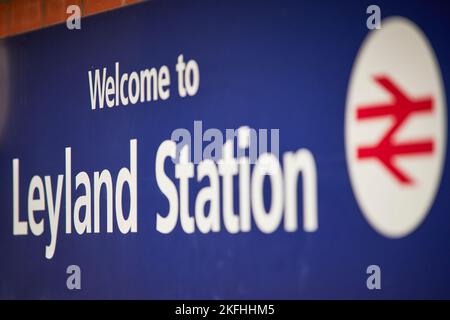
[{"x": 401, "y": 52}]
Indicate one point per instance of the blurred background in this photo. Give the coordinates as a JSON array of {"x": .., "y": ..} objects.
[{"x": 19, "y": 16}]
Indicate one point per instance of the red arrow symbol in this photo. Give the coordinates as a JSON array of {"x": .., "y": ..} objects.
[{"x": 400, "y": 108}]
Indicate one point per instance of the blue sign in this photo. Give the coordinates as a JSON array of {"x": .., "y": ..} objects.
[{"x": 228, "y": 150}]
